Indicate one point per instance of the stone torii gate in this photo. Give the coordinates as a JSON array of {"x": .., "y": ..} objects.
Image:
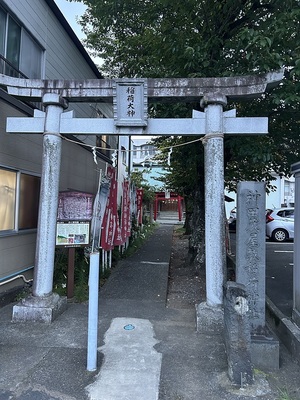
[{"x": 130, "y": 99}]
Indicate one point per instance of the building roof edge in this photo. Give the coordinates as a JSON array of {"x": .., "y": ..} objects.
[{"x": 59, "y": 15}]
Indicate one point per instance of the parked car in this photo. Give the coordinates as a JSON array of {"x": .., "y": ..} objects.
[
  {"x": 232, "y": 214},
  {"x": 232, "y": 220},
  {"x": 280, "y": 224}
]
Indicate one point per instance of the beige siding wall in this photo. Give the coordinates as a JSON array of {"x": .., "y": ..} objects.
[
  {"x": 24, "y": 152},
  {"x": 63, "y": 59},
  {"x": 11, "y": 248},
  {"x": 78, "y": 170},
  {"x": 16, "y": 150}
]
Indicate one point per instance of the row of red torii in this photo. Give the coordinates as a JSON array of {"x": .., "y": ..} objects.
[{"x": 130, "y": 99}]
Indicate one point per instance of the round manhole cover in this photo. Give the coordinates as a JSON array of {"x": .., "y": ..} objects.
[{"x": 129, "y": 327}]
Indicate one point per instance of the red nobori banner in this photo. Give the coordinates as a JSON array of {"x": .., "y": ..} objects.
[
  {"x": 139, "y": 202},
  {"x": 110, "y": 216},
  {"x": 118, "y": 239},
  {"x": 126, "y": 227}
]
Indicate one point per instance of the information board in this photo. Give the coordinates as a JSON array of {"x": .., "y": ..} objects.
[
  {"x": 72, "y": 233},
  {"x": 75, "y": 206}
]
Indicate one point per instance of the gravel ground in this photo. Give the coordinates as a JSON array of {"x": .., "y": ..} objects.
[
  {"x": 187, "y": 288},
  {"x": 186, "y": 284}
]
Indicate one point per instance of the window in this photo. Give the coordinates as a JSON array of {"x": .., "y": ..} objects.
[
  {"x": 2, "y": 38},
  {"x": 19, "y": 200},
  {"x": 147, "y": 150},
  {"x": 20, "y": 53},
  {"x": 102, "y": 143},
  {"x": 30, "y": 57},
  {"x": 286, "y": 214},
  {"x": 8, "y": 181},
  {"x": 29, "y": 201},
  {"x": 289, "y": 214},
  {"x": 13, "y": 42},
  {"x": 2, "y": 30}
]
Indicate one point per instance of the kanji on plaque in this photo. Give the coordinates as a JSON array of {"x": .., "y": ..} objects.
[{"x": 130, "y": 102}]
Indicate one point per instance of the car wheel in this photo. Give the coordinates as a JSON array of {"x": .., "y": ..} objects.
[{"x": 279, "y": 235}]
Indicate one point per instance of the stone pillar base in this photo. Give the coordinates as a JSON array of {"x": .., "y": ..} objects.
[
  {"x": 265, "y": 351},
  {"x": 209, "y": 319},
  {"x": 39, "y": 309}
]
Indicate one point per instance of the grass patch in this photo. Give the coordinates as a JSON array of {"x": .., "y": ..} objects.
[
  {"x": 81, "y": 274},
  {"x": 285, "y": 395},
  {"x": 180, "y": 230}
]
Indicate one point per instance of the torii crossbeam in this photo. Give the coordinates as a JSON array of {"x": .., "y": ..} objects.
[{"x": 130, "y": 99}]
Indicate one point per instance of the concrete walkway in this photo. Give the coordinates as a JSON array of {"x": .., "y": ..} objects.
[{"x": 146, "y": 351}]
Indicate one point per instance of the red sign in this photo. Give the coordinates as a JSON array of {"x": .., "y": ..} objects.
[
  {"x": 75, "y": 206},
  {"x": 110, "y": 216},
  {"x": 139, "y": 204},
  {"x": 126, "y": 227}
]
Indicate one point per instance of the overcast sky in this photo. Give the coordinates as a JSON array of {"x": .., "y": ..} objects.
[{"x": 71, "y": 11}]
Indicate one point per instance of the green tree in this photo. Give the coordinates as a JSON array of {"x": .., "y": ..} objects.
[
  {"x": 137, "y": 178},
  {"x": 206, "y": 38}
]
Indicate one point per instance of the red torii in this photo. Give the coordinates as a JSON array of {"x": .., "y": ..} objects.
[{"x": 161, "y": 196}]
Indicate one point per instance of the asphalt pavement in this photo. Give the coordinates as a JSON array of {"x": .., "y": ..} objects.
[
  {"x": 279, "y": 275},
  {"x": 146, "y": 350}
]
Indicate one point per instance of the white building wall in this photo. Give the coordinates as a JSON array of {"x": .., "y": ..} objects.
[{"x": 280, "y": 197}]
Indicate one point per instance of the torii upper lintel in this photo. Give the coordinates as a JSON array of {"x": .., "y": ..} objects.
[{"x": 159, "y": 89}]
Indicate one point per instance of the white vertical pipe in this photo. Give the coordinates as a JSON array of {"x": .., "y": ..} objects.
[
  {"x": 93, "y": 312},
  {"x": 103, "y": 261},
  {"x": 110, "y": 259}
]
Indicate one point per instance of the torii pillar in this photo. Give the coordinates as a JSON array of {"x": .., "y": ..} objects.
[
  {"x": 214, "y": 197},
  {"x": 44, "y": 305},
  {"x": 210, "y": 313}
]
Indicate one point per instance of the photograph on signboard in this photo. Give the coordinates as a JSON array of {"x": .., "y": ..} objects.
[{"x": 73, "y": 233}]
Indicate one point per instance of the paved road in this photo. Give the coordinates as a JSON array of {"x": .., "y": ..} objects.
[{"x": 279, "y": 275}]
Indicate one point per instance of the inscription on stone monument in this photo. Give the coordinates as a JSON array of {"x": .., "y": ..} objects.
[{"x": 250, "y": 251}]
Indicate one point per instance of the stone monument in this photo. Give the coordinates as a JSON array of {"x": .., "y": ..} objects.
[{"x": 251, "y": 270}]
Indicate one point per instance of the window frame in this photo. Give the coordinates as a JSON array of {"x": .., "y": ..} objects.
[
  {"x": 7, "y": 66},
  {"x": 148, "y": 150},
  {"x": 16, "y": 207}
]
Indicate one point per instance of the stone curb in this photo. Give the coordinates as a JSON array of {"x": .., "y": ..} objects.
[{"x": 286, "y": 330}]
